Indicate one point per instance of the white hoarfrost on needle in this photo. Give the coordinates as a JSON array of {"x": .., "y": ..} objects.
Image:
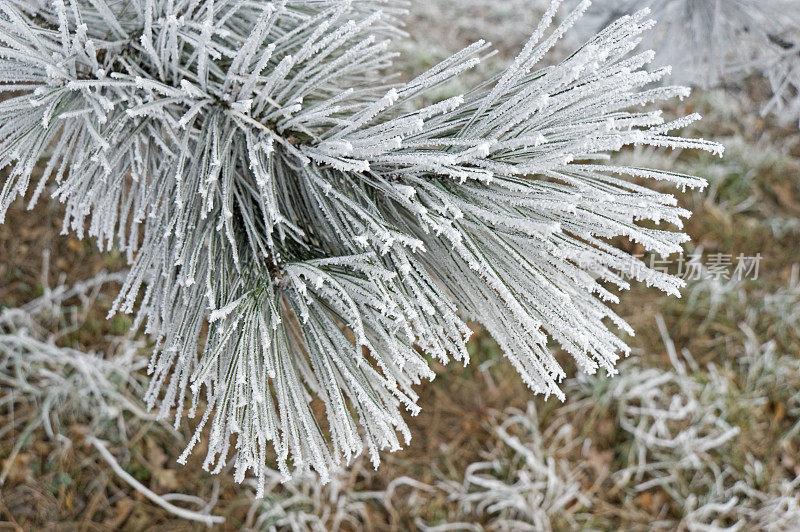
[{"x": 299, "y": 234}]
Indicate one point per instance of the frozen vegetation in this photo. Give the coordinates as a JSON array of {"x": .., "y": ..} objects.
[{"x": 698, "y": 429}]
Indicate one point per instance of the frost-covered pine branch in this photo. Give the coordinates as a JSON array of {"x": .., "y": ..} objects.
[
  {"x": 301, "y": 236},
  {"x": 712, "y": 43}
]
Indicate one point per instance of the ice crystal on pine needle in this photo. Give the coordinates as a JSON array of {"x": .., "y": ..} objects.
[{"x": 302, "y": 236}]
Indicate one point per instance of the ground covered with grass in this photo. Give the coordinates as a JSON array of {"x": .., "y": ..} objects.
[{"x": 700, "y": 429}]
